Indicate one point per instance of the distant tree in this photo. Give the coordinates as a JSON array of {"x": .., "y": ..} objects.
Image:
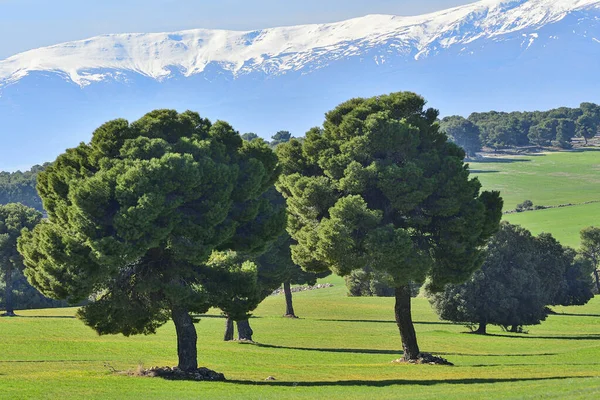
[
  {"x": 544, "y": 133},
  {"x": 462, "y": 132},
  {"x": 14, "y": 218},
  {"x": 577, "y": 283},
  {"x": 280, "y": 137},
  {"x": 250, "y": 136},
  {"x": 520, "y": 277},
  {"x": 587, "y": 127},
  {"x": 506, "y": 291},
  {"x": 381, "y": 186},
  {"x": 590, "y": 249},
  {"x": 134, "y": 216},
  {"x": 565, "y": 132},
  {"x": 20, "y": 187},
  {"x": 525, "y": 206}
]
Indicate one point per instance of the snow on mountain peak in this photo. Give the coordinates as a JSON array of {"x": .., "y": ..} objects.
[{"x": 279, "y": 50}]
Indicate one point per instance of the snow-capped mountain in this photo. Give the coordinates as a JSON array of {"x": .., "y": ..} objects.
[{"x": 509, "y": 54}]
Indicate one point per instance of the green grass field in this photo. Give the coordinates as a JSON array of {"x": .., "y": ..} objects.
[
  {"x": 341, "y": 347},
  {"x": 549, "y": 179}
]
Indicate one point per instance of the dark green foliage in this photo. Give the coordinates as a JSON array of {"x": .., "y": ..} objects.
[
  {"x": 576, "y": 285},
  {"x": 15, "y": 218},
  {"x": 250, "y": 136},
  {"x": 366, "y": 282},
  {"x": 280, "y": 137},
  {"x": 565, "y": 131},
  {"x": 543, "y": 128},
  {"x": 381, "y": 187},
  {"x": 134, "y": 216},
  {"x": 462, "y": 132},
  {"x": 525, "y": 206},
  {"x": 521, "y": 275},
  {"x": 19, "y": 187},
  {"x": 25, "y": 296},
  {"x": 590, "y": 250},
  {"x": 543, "y": 133},
  {"x": 506, "y": 291}
]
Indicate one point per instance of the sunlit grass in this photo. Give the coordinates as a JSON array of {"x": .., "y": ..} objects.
[{"x": 341, "y": 347}]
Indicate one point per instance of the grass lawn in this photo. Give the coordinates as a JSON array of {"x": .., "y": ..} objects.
[
  {"x": 548, "y": 179},
  {"x": 564, "y": 223},
  {"x": 341, "y": 347}
]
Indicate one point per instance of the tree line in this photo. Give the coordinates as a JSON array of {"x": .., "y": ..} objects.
[{"x": 497, "y": 130}]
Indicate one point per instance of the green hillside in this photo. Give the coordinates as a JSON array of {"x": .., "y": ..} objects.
[{"x": 549, "y": 179}]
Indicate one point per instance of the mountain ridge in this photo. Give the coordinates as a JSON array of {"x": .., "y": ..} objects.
[{"x": 280, "y": 50}]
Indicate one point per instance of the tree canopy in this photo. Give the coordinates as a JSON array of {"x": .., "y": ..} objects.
[
  {"x": 590, "y": 249},
  {"x": 14, "y": 218},
  {"x": 521, "y": 275},
  {"x": 462, "y": 132},
  {"x": 544, "y": 128},
  {"x": 19, "y": 187},
  {"x": 381, "y": 186},
  {"x": 134, "y": 215}
]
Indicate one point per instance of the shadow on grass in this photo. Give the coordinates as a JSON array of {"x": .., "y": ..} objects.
[
  {"x": 501, "y": 160},
  {"x": 46, "y": 316},
  {"x": 577, "y": 315},
  {"x": 498, "y": 355},
  {"x": 483, "y": 171},
  {"x": 46, "y": 361},
  {"x": 580, "y": 337},
  {"x": 385, "y": 321},
  {"x": 390, "y": 382},
  {"x": 331, "y": 350}
]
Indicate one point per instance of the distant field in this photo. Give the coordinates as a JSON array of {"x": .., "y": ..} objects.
[
  {"x": 563, "y": 223},
  {"x": 548, "y": 179},
  {"x": 341, "y": 348}
]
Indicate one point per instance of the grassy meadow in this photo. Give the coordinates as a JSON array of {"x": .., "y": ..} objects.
[
  {"x": 341, "y": 347},
  {"x": 548, "y": 179}
]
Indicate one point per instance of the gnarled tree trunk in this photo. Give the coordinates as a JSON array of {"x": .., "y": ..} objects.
[
  {"x": 289, "y": 306},
  {"x": 228, "y": 329},
  {"x": 8, "y": 295},
  {"x": 405, "y": 323},
  {"x": 186, "y": 339},
  {"x": 597, "y": 276},
  {"x": 482, "y": 330},
  {"x": 244, "y": 330}
]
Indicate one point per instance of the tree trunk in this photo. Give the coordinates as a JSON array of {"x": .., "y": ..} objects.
[
  {"x": 244, "y": 330},
  {"x": 289, "y": 306},
  {"x": 186, "y": 339},
  {"x": 514, "y": 329},
  {"x": 482, "y": 330},
  {"x": 597, "y": 280},
  {"x": 8, "y": 295},
  {"x": 228, "y": 329},
  {"x": 405, "y": 324}
]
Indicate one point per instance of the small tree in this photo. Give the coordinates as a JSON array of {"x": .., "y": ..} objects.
[
  {"x": 14, "y": 217},
  {"x": 506, "y": 291},
  {"x": 280, "y": 137},
  {"x": 462, "y": 132},
  {"x": 381, "y": 186},
  {"x": 590, "y": 249},
  {"x": 134, "y": 215},
  {"x": 249, "y": 136},
  {"x": 525, "y": 206},
  {"x": 521, "y": 275}
]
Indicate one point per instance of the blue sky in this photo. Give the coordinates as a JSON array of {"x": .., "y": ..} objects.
[{"x": 28, "y": 24}]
